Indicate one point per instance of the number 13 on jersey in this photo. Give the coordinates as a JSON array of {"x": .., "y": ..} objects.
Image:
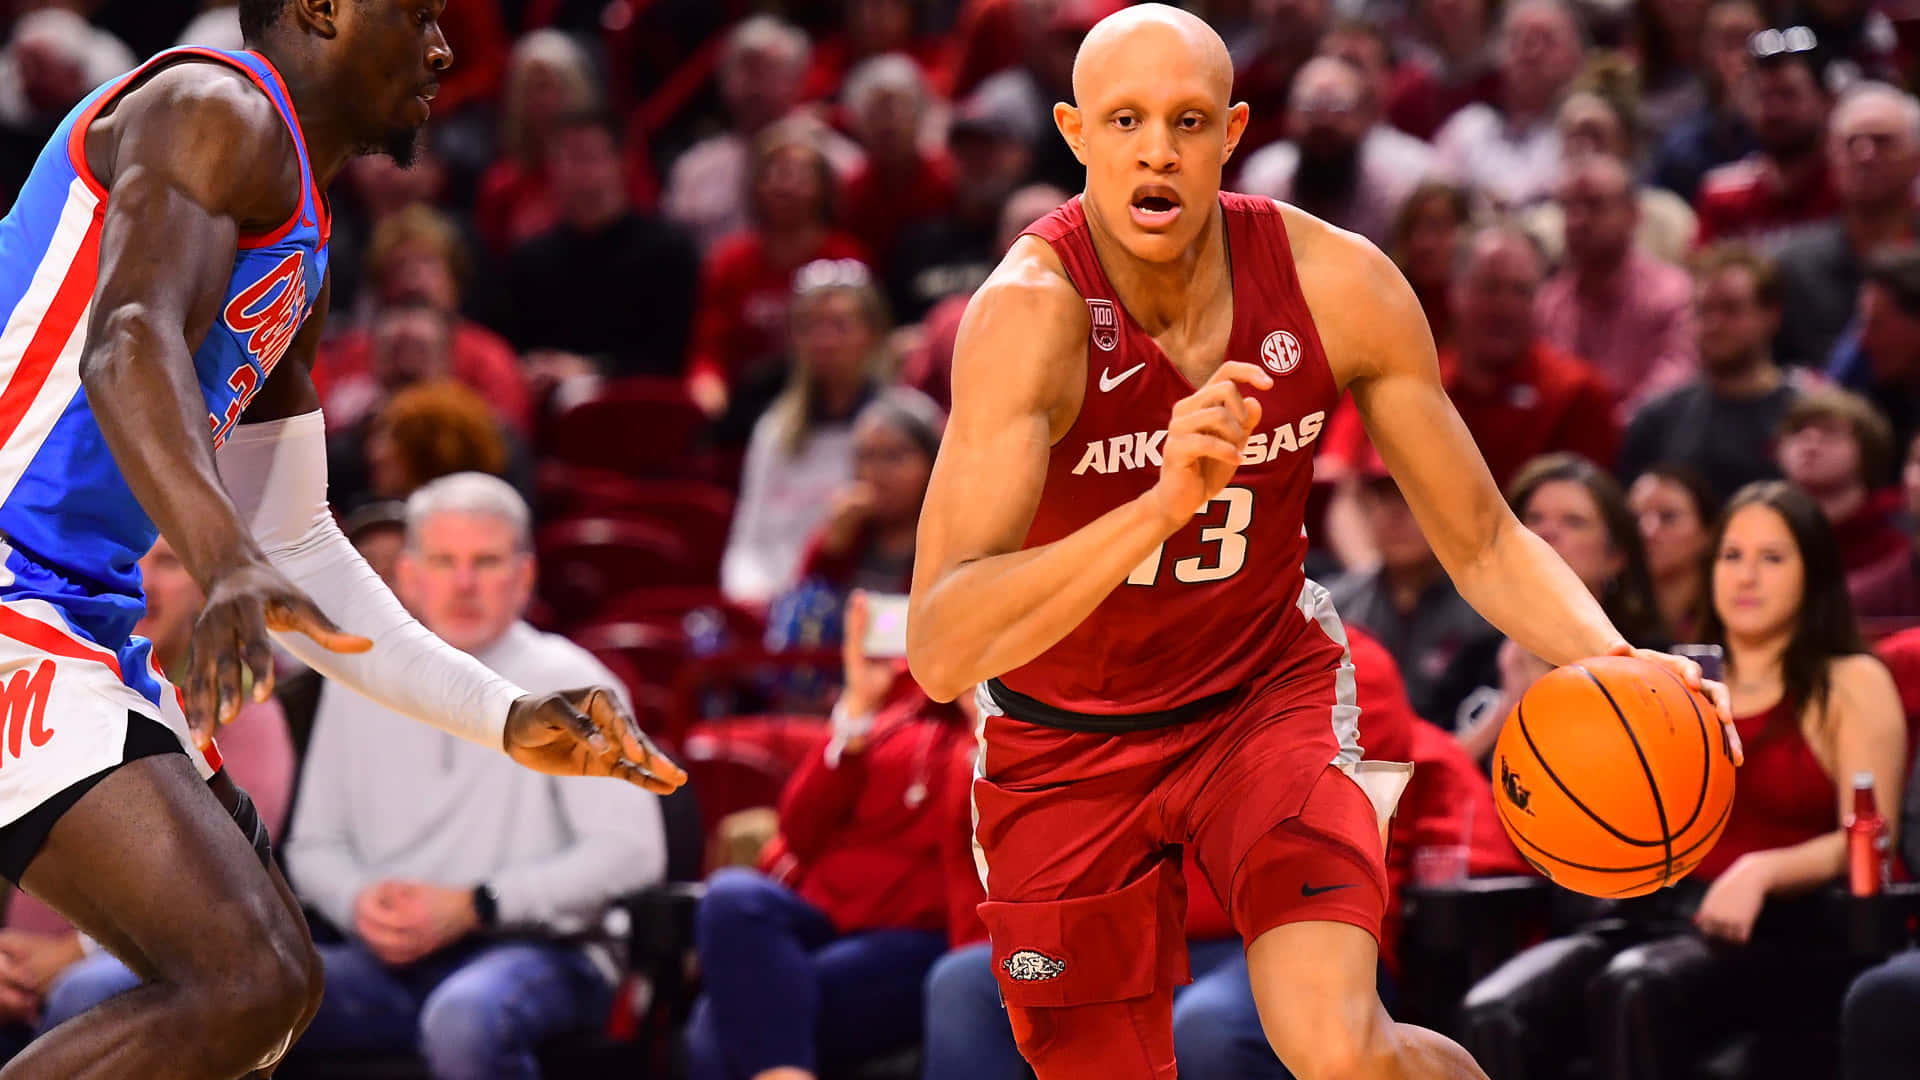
[{"x": 1229, "y": 534}]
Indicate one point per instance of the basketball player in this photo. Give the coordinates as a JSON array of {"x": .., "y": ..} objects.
[
  {"x": 1111, "y": 549},
  {"x": 163, "y": 274}
]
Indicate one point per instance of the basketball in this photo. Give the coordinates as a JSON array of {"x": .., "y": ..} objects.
[{"x": 1613, "y": 778}]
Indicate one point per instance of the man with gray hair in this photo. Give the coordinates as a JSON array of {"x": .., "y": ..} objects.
[
  {"x": 1873, "y": 155},
  {"x": 902, "y": 179},
  {"x": 1512, "y": 154}
]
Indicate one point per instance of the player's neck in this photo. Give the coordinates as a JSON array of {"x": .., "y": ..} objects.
[
  {"x": 329, "y": 143},
  {"x": 1160, "y": 296}
]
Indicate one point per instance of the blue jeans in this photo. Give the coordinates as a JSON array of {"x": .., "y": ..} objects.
[
  {"x": 1216, "y": 1032},
  {"x": 472, "y": 1011},
  {"x": 783, "y": 987}
]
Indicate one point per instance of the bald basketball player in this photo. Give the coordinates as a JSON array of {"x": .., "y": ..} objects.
[{"x": 1110, "y": 557}]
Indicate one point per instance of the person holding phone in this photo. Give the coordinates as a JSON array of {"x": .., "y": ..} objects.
[{"x": 816, "y": 959}]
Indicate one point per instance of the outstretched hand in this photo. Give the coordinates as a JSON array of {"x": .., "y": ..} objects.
[
  {"x": 587, "y": 732},
  {"x": 1689, "y": 674}
]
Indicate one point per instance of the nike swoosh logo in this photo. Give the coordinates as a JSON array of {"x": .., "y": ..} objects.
[
  {"x": 1308, "y": 890},
  {"x": 1108, "y": 382}
]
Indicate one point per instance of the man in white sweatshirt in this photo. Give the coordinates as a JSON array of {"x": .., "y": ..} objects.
[{"x": 470, "y": 888}]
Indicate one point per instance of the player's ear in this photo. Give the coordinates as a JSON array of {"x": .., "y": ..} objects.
[
  {"x": 319, "y": 16},
  {"x": 1236, "y": 127},
  {"x": 1068, "y": 120}
]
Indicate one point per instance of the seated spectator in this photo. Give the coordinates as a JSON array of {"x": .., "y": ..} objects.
[
  {"x": 801, "y": 452},
  {"x": 1451, "y": 66},
  {"x": 1873, "y": 155},
  {"x": 872, "y": 28},
  {"x": 1837, "y": 449},
  {"x": 1599, "y": 116},
  {"x": 1580, "y": 511},
  {"x": 1676, "y": 513},
  {"x": 372, "y": 190},
  {"x": 471, "y": 890},
  {"x": 607, "y": 282},
  {"x": 1408, "y": 603},
  {"x": 816, "y": 962},
  {"x": 868, "y": 539},
  {"x": 746, "y": 281},
  {"x": 1511, "y": 154},
  {"x": 1612, "y": 304},
  {"x": 900, "y": 180},
  {"x": 1723, "y": 422},
  {"x": 1785, "y": 183},
  {"x": 1340, "y": 162},
  {"x": 1880, "y": 357},
  {"x": 1424, "y": 243},
  {"x": 417, "y": 256},
  {"x": 1814, "y": 709},
  {"x": 1666, "y": 42},
  {"x": 48, "y": 973},
  {"x": 1716, "y": 132},
  {"x": 1892, "y": 589},
  {"x": 52, "y": 60},
  {"x": 1268, "y": 58}
]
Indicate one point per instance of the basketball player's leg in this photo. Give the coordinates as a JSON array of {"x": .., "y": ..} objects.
[{"x": 152, "y": 867}]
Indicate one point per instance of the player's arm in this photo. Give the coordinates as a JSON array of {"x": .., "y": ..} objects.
[
  {"x": 981, "y": 604},
  {"x": 275, "y": 466},
  {"x": 1387, "y": 360},
  {"x": 191, "y": 159}
]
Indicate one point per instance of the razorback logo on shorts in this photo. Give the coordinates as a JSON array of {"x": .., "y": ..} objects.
[
  {"x": 1027, "y": 965},
  {"x": 23, "y": 709}
]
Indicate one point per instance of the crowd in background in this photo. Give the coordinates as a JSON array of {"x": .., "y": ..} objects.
[{"x": 639, "y": 374}]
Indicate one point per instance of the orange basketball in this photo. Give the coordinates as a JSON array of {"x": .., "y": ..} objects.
[{"x": 1613, "y": 778}]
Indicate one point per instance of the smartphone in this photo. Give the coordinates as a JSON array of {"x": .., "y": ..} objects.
[{"x": 886, "y": 626}]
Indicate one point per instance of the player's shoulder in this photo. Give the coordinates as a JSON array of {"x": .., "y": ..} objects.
[
  {"x": 1363, "y": 308},
  {"x": 205, "y": 118},
  {"x": 1023, "y": 338},
  {"x": 1029, "y": 288}
]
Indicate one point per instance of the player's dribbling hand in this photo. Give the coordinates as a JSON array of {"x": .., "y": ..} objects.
[
  {"x": 231, "y": 635},
  {"x": 1208, "y": 430},
  {"x": 587, "y": 733},
  {"x": 1688, "y": 672}
]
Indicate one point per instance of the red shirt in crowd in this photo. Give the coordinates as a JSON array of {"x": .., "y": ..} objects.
[
  {"x": 833, "y": 59},
  {"x": 516, "y": 204},
  {"x": 1548, "y": 401},
  {"x": 863, "y": 840},
  {"x": 744, "y": 297},
  {"x": 928, "y": 367},
  {"x": 1418, "y": 103},
  {"x": 1871, "y": 543},
  {"x": 1749, "y": 200},
  {"x": 886, "y": 202},
  {"x": 482, "y": 360}
]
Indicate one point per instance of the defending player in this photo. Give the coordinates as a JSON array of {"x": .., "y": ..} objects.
[
  {"x": 164, "y": 276},
  {"x": 1156, "y": 674}
]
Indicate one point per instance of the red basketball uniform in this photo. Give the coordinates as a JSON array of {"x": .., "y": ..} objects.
[{"x": 1201, "y": 711}]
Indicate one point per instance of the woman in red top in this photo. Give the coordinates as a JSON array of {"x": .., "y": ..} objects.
[
  {"x": 1814, "y": 709},
  {"x": 818, "y": 961}
]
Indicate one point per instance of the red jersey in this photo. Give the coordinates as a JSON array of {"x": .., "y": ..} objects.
[{"x": 1224, "y": 602}]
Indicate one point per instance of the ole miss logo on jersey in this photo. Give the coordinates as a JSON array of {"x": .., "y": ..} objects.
[
  {"x": 267, "y": 313},
  {"x": 23, "y": 710}
]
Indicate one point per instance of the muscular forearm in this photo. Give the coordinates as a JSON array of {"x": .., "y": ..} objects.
[
  {"x": 991, "y": 615},
  {"x": 1524, "y": 589}
]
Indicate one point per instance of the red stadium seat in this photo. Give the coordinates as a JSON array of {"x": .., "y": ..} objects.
[
  {"x": 587, "y": 561},
  {"x": 640, "y": 427}
]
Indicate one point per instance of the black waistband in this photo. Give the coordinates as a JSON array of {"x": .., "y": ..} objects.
[{"x": 1033, "y": 711}]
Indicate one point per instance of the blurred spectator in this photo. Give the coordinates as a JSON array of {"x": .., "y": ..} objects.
[
  {"x": 761, "y": 65},
  {"x": 549, "y": 76},
  {"x": 1723, "y": 422},
  {"x": 1873, "y": 155},
  {"x": 871, "y": 28},
  {"x": 1340, "y": 163},
  {"x": 740, "y": 325},
  {"x": 1267, "y": 63},
  {"x": 1409, "y": 603},
  {"x": 868, "y": 539},
  {"x": 1453, "y": 66},
  {"x": 419, "y": 257},
  {"x": 992, "y": 139},
  {"x": 1716, "y": 132},
  {"x": 817, "y": 963},
  {"x": 1837, "y": 449},
  {"x": 1667, "y": 39},
  {"x": 54, "y": 58},
  {"x": 1785, "y": 183},
  {"x": 928, "y": 364},
  {"x": 899, "y": 181},
  {"x": 1676, "y": 513},
  {"x": 1580, "y": 511},
  {"x": 1738, "y": 942},
  {"x": 1424, "y": 243},
  {"x": 218, "y": 27},
  {"x": 607, "y": 282},
  {"x": 1613, "y": 305},
  {"x": 801, "y": 453},
  {"x": 1880, "y": 357},
  {"x": 1892, "y": 590},
  {"x": 1511, "y": 155},
  {"x": 471, "y": 889},
  {"x": 1857, "y": 38},
  {"x": 1599, "y": 117}
]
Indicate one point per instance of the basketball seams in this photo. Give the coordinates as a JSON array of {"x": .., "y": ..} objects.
[
  {"x": 1520, "y": 715},
  {"x": 1515, "y": 833},
  {"x": 1646, "y": 767},
  {"x": 1706, "y": 749}
]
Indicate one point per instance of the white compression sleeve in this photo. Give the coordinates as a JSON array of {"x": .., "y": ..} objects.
[{"x": 276, "y": 473}]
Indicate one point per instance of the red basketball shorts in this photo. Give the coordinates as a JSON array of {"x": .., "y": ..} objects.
[{"x": 1081, "y": 836}]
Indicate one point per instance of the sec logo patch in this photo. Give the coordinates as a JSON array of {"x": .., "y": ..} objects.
[{"x": 1280, "y": 352}]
